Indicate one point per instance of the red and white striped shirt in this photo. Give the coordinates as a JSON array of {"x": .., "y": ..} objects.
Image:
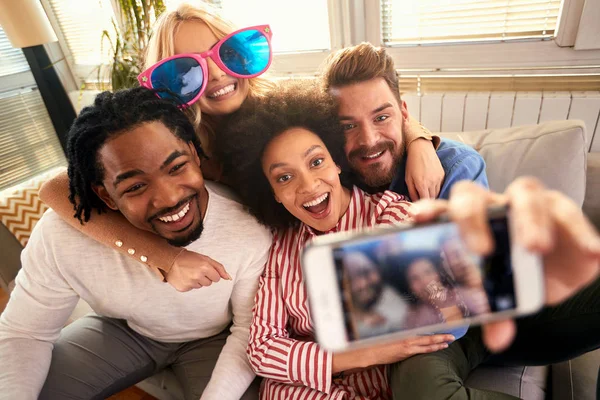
[{"x": 281, "y": 345}]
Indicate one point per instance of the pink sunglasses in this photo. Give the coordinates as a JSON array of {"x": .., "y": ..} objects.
[{"x": 245, "y": 53}]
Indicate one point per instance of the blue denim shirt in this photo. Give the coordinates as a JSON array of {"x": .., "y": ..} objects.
[{"x": 459, "y": 162}]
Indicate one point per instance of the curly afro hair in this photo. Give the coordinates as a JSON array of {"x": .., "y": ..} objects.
[{"x": 246, "y": 133}]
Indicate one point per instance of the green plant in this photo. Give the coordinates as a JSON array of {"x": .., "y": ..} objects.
[{"x": 132, "y": 29}]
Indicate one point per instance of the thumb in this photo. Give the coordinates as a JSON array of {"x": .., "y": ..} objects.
[{"x": 498, "y": 335}]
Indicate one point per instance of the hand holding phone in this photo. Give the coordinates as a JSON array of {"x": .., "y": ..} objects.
[
  {"x": 543, "y": 222},
  {"x": 546, "y": 222},
  {"x": 397, "y": 282}
]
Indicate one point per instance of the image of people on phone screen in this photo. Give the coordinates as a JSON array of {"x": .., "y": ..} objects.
[{"x": 417, "y": 278}]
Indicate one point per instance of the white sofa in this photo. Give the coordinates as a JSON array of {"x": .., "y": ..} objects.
[{"x": 555, "y": 152}]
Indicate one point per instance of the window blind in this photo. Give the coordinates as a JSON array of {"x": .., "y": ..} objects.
[
  {"x": 81, "y": 23},
  {"x": 423, "y": 84},
  {"x": 28, "y": 143},
  {"x": 12, "y": 60},
  {"x": 412, "y": 22}
]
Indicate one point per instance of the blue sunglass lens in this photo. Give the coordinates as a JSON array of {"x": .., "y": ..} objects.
[
  {"x": 246, "y": 53},
  {"x": 182, "y": 76}
]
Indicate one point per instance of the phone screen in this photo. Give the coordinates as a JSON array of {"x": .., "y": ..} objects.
[{"x": 420, "y": 277}]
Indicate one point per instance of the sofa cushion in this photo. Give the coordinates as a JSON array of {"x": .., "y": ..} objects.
[
  {"x": 591, "y": 206},
  {"x": 528, "y": 383},
  {"x": 10, "y": 248},
  {"x": 554, "y": 152},
  {"x": 21, "y": 208},
  {"x": 576, "y": 379}
]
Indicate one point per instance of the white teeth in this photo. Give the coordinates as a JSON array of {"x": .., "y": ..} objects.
[
  {"x": 221, "y": 92},
  {"x": 178, "y": 216},
  {"x": 316, "y": 201},
  {"x": 375, "y": 155}
]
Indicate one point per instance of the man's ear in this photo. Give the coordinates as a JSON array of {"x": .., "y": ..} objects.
[
  {"x": 339, "y": 170},
  {"x": 404, "y": 109},
  {"x": 194, "y": 153},
  {"x": 101, "y": 192}
]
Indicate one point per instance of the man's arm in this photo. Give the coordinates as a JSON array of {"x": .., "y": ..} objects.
[
  {"x": 468, "y": 165},
  {"x": 39, "y": 306},
  {"x": 232, "y": 374}
]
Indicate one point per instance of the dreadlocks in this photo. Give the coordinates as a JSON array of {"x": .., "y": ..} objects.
[{"x": 111, "y": 115}]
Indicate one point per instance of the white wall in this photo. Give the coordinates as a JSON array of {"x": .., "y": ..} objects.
[{"x": 457, "y": 112}]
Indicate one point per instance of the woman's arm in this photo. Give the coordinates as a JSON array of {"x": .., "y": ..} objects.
[
  {"x": 413, "y": 130},
  {"x": 271, "y": 351},
  {"x": 112, "y": 229},
  {"x": 274, "y": 355},
  {"x": 424, "y": 172},
  {"x": 388, "y": 353}
]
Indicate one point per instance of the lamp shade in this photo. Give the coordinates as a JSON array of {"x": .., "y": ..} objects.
[{"x": 25, "y": 23}]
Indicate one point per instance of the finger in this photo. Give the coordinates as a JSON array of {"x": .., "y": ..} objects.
[
  {"x": 432, "y": 191},
  {"x": 432, "y": 339},
  {"x": 191, "y": 286},
  {"x": 432, "y": 348},
  {"x": 497, "y": 336},
  {"x": 220, "y": 270},
  {"x": 570, "y": 218},
  {"x": 211, "y": 273},
  {"x": 427, "y": 210},
  {"x": 183, "y": 288},
  {"x": 572, "y": 249},
  {"x": 204, "y": 282},
  {"x": 467, "y": 207},
  {"x": 412, "y": 190},
  {"x": 423, "y": 192},
  {"x": 437, "y": 190},
  {"x": 530, "y": 215}
]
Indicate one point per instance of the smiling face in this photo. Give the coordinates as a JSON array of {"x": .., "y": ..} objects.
[
  {"x": 365, "y": 280},
  {"x": 305, "y": 179},
  {"x": 372, "y": 120},
  {"x": 420, "y": 274},
  {"x": 224, "y": 94},
  {"x": 153, "y": 178}
]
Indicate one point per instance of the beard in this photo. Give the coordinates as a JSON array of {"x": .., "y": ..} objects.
[
  {"x": 376, "y": 175},
  {"x": 366, "y": 304},
  {"x": 192, "y": 235},
  {"x": 189, "y": 238}
]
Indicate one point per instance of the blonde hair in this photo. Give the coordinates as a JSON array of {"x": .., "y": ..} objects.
[
  {"x": 162, "y": 45},
  {"x": 360, "y": 63}
]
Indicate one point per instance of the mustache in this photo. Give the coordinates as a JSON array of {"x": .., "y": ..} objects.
[
  {"x": 170, "y": 210},
  {"x": 364, "y": 151}
]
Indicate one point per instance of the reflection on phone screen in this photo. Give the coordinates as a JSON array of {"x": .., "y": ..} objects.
[{"x": 420, "y": 277}]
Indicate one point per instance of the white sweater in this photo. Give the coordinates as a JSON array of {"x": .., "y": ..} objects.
[{"x": 61, "y": 265}]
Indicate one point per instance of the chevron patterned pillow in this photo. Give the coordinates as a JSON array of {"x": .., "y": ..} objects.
[{"x": 21, "y": 208}]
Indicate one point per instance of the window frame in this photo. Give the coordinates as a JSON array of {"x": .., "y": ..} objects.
[
  {"x": 75, "y": 71},
  {"x": 354, "y": 21},
  {"x": 527, "y": 56}
]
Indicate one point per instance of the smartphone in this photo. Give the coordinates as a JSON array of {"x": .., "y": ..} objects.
[{"x": 397, "y": 282}]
